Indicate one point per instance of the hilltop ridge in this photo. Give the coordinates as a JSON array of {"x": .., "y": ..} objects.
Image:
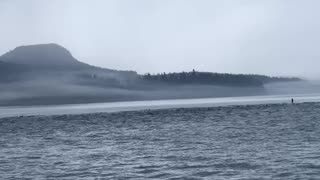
[{"x": 41, "y": 55}]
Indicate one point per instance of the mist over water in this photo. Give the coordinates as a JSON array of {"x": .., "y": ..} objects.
[
  {"x": 72, "y": 90},
  {"x": 304, "y": 87}
]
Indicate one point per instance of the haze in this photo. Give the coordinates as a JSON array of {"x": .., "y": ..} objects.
[{"x": 272, "y": 37}]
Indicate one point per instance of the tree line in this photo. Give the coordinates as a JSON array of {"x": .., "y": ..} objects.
[{"x": 208, "y": 78}]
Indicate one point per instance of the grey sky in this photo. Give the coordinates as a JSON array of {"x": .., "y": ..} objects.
[{"x": 273, "y": 37}]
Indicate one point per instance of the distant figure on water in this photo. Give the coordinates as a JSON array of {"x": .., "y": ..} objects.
[{"x": 292, "y": 101}]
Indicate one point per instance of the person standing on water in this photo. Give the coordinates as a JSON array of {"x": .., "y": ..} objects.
[{"x": 292, "y": 101}]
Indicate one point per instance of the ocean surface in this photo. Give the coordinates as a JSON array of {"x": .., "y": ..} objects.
[{"x": 262, "y": 141}]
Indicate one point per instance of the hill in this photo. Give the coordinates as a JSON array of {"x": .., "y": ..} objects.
[
  {"x": 43, "y": 55},
  {"x": 50, "y": 61},
  {"x": 49, "y": 74}
]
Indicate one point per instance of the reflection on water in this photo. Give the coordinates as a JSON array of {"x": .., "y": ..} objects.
[
  {"x": 157, "y": 104},
  {"x": 237, "y": 142}
]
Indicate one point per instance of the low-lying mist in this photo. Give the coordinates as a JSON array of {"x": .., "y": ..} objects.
[
  {"x": 291, "y": 88},
  {"x": 45, "y": 91},
  {"x": 70, "y": 89}
]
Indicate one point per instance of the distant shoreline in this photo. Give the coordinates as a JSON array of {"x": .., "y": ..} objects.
[{"x": 111, "y": 107}]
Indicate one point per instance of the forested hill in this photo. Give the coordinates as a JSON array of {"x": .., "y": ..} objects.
[
  {"x": 46, "y": 74},
  {"x": 208, "y": 78}
]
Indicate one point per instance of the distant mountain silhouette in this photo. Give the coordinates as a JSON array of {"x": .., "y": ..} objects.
[
  {"x": 49, "y": 74},
  {"x": 43, "y": 55},
  {"x": 47, "y": 59}
]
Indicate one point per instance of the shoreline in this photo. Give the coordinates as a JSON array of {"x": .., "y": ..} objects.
[{"x": 111, "y": 107}]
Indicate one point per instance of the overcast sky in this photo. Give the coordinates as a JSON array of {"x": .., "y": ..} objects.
[{"x": 273, "y": 37}]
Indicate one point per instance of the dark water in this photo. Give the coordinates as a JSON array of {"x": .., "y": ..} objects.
[{"x": 240, "y": 142}]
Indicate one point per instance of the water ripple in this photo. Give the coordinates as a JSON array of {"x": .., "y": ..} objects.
[{"x": 238, "y": 142}]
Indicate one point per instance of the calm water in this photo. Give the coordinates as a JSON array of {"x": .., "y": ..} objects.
[
  {"x": 279, "y": 141},
  {"x": 156, "y": 104}
]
